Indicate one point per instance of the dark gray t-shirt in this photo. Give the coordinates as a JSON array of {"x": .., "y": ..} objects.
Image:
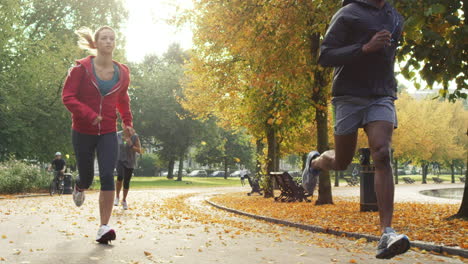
[{"x": 126, "y": 154}]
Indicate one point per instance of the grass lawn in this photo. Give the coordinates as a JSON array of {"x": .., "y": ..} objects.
[
  {"x": 191, "y": 182},
  {"x": 447, "y": 178},
  {"x": 187, "y": 182}
]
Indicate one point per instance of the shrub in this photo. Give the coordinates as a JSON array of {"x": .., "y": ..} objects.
[
  {"x": 147, "y": 164},
  {"x": 18, "y": 177}
]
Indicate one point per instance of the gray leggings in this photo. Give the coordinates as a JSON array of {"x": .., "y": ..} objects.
[{"x": 106, "y": 148}]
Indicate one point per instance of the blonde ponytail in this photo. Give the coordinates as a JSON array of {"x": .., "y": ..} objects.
[{"x": 86, "y": 39}]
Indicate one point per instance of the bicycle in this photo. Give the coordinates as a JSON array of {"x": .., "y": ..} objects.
[{"x": 57, "y": 184}]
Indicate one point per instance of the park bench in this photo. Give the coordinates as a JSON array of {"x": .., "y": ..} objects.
[
  {"x": 462, "y": 179},
  {"x": 408, "y": 180},
  {"x": 285, "y": 192},
  {"x": 254, "y": 185},
  {"x": 291, "y": 191},
  {"x": 351, "y": 181},
  {"x": 437, "y": 180}
]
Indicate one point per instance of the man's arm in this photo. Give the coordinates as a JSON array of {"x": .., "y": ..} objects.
[{"x": 334, "y": 50}]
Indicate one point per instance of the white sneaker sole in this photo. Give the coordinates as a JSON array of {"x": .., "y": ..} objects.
[
  {"x": 397, "y": 247},
  {"x": 107, "y": 237}
]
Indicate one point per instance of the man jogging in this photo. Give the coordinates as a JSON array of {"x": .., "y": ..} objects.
[{"x": 361, "y": 44}]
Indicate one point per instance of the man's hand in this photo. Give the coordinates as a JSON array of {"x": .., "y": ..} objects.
[
  {"x": 97, "y": 120},
  {"x": 380, "y": 40}
]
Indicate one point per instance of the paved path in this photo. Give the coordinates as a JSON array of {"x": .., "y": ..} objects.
[{"x": 168, "y": 226}]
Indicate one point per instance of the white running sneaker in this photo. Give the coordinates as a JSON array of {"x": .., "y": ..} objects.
[
  {"x": 105, "y": 234},
  {"x": 116, "y": 201},
  {"x": 392, "y": 244},
  {"x": 78, "y": 196},
  {"x": 124, "y": 205}
]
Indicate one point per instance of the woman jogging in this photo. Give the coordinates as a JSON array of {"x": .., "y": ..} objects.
[
  {"x": 93, "y": 92},
  {"x": 128, "y": 147}
]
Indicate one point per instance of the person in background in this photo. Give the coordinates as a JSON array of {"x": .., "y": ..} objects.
[
  {"x": 129, "y": 145},
  {"x": 58, "y": 165}
]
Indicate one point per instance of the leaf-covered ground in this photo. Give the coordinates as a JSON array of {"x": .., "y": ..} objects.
[
  {"x": 424, "y": 222},
  {"x": 170, "y": 226}
]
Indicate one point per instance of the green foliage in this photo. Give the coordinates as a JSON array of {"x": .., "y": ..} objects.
[
  {"x": 435, "y": 43},
  {"x": 147, "y": 165},
  {"x": 37, "y": 46},
  {"x": 19, "y": 177},
  {"x": 159, "y": 118},
  {"x": 219, "y": 145}
]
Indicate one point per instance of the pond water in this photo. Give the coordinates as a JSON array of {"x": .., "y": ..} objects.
[{"x": 450, "y": 193}]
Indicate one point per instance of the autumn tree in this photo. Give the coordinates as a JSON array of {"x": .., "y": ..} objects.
[
  {"x": 429, "y": 131},
  {"x": 256, "y": 62}
]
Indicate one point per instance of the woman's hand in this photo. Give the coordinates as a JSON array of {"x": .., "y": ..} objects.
[
  {"x": 97, "y": 120},
  {"x": 129, "y": 131}
]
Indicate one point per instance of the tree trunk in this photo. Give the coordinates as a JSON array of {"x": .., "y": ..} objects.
[
  {"x": 181, "y": 167},
  {"x": 452, "y": 169},
  {"x": 277, "y": 154},
  {"x": 170, "y": 169},
  {"x": 320, "y": 94},
  {"x": 425, "y": 168},
  {"x": 304, "y": 160},
  {"x": 337, "y": 179},
  {"x": 325, "y": 192},
  {"x": 260, "y": 146},
  {"x": 271, "y": 162},
  {"x": 225, "y": 167},
  {"x": 395, "y": 169},
  {"x": 463, "y": 211}
]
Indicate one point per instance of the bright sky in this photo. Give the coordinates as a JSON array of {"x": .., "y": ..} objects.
[{"x": 147, "y": 30}]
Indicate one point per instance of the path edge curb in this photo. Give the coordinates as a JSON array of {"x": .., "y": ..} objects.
[{"x": 317, "y": 229}]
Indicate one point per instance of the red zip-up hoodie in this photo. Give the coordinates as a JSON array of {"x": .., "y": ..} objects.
[{"x": 81, "y": 96}]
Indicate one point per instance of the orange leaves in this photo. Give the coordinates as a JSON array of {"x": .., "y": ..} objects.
[{"x": 425, "y": 222}]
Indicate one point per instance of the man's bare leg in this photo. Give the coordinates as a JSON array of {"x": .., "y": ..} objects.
[
  {"x": 340, "y": 157},
  {"x": 379, "y": 134}
]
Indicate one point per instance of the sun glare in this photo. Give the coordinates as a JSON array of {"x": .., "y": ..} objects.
[{"x": 148, "y": 31}]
